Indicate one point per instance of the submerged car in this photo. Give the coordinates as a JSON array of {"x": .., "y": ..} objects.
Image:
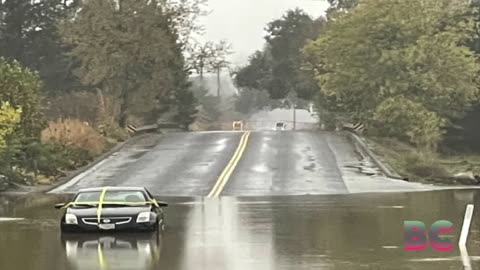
[{"x": 112, "y": 209}]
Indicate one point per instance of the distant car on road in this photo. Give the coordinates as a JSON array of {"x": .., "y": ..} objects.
[
  {"x": 112, "y": 209},
  {"x": 238, "y": 125},
  {"x": 280, "y": 126}
]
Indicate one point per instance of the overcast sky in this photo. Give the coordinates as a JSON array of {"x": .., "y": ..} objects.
[{"x": 242, "y": 22}]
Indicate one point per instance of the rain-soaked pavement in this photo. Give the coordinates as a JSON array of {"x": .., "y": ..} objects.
[
  {"x": 362, "y": 231},
  {"x": 273, "y": 163}
]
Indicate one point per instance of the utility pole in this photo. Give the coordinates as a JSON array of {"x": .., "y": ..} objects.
[
  {"x": 292, "y": 99},
  {"x": 218, "y": 81},
  {"x": 294, "y": 117}
]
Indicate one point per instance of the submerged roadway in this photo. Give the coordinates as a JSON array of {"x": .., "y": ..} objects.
[{"x": 244, "y": 200}]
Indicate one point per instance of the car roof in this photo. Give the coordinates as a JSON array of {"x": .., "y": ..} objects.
[{"x": 112, "y": 188}]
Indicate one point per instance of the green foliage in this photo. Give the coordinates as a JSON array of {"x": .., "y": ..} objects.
[
  {"x": 343, "y": 4},
  {"x": 185, "y": 107},
  {"x": 424, "y": 166},
  {"x": 21, "y": 88},
  {"x": 210, "y": 105},
  {"x": 55, "y": 157},
  {"x": 405, "y": 119},
  {"x": 385, "y": 49},
  {"x": 127, "y": 50},
  {"x": 278, "y": 68},
  {"x": 257, "y": 74},
  {"x": 9, "y": 118},
  {"x": 28, "y": 34}
]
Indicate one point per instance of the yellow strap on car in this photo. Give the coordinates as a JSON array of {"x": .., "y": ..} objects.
[
  {"x": 107, "y": 202},
  {"x": 100, "y": 204},
  {"x": 154, "y": 202}
]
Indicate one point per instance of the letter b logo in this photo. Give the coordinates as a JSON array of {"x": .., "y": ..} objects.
[{"x": 415, "y": 235}]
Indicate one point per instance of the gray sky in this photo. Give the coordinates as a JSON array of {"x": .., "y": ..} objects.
[{"x": 242, "y": 22}]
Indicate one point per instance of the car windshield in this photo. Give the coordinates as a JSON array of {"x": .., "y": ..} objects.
[
  {"x": 116, "y": 196},
  {"x": 279, "y": 124}
]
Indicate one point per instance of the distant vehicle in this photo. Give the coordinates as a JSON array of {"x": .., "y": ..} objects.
[
  {"x": 112, "y": 209},
  {"x": 238, "y": 125},
  {"x": 280, "y": 126}
]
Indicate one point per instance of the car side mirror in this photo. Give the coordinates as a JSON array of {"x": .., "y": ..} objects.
[
  {"x": 60, "y": 205},
  {"x": 162, "y": 204}
]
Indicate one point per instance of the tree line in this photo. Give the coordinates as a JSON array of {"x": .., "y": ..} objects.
[
  {"x": 407, "y": 69},
  {"x": 126, "y": 61}
]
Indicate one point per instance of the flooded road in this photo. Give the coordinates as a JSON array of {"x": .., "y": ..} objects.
[{"x": 362, "y": 231}]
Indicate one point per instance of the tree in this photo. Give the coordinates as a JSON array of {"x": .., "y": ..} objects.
[
  {"x": 257, "y": 74},
  {"x": 199, "y": 55},
  {"x": 9, "y": 119},
  {"x": 218, "y": 61},
  {"x": 342, "y": 4},
  {"x": 210, "y": 57},
  {"x": 127, "y": 48},
  {"x": 278, "y": 68},
  {"x": 184, "y": 17},
  {"x": 28, "y": 34},
  {"x": 21, "y": 89},
  {"x": 389, "y": 49}
]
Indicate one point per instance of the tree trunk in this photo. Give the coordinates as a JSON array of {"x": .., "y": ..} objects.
[
  {"x": 102, "y": 112},
  {"x": 201, "y": 68},
  {"x": 122, "y": 121}
]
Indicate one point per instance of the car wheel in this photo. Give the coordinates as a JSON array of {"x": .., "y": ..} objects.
[
  {"x": 162, "y": 225},
  {"x": 155, "y": 228}
]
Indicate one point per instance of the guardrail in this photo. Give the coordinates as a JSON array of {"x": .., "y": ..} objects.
[{"x": 152, "y": 128}]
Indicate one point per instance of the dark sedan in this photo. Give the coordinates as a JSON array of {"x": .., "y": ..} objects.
[{"x": 112, "y": 209}]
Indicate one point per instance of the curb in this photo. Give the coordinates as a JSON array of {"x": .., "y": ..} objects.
[{"x": 364, "y": 147}]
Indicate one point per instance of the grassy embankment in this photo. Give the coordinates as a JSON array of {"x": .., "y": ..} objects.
[{"x": 418, "y": 166}]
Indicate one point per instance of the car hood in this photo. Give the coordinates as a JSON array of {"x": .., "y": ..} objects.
[{"x": 109, "y": 211}]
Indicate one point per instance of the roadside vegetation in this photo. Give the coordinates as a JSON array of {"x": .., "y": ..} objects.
[
  {"x": 74, "y": 74},
  {"x": 408, "y": 70}
]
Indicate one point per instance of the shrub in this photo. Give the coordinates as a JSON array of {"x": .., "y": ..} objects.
[
  {"x": 402, "y": 118},
  {"x": 423, "y": 165},
  {"x": 56, "y": 156},
  {"x": 74, "y": 134}
]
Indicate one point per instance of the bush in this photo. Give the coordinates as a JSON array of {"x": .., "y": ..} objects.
[
  {"x": 113, "y": 131},
  {"x": 402, "y": 118},
  {"x": 423, "y": 165},
  {"x": 75, "y": 134},
  {"x": 55, "y": 157}
]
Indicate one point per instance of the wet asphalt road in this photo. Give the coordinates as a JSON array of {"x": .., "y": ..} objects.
[
  {"x": 273, "y": 163},
  {"x": 294, "y": 200},
  {"x": 361, "y": 231}
]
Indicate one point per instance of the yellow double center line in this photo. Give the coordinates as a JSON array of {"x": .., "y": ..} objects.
[{"x": 227, "y": 172}]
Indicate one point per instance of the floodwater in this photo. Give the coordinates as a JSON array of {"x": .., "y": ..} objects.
[{"x": 363, "y": 231}]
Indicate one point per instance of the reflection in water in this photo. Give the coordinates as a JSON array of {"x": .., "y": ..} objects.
[
  {"x": 222, "y": 237},
  {"x": 344, "y": 232},
  {"x": 112, "y": 252}
]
